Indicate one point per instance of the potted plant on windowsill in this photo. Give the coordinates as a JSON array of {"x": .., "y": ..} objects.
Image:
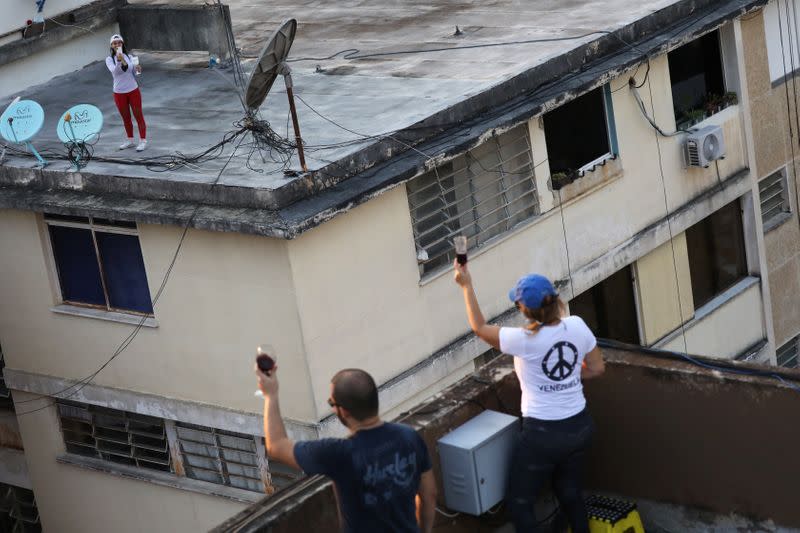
[
  {"x": 730, "y": 98},
  {"x": 563, "y": 178},
  {"x": 692, "y": 117},
  {"x": 713, "y": 104}
]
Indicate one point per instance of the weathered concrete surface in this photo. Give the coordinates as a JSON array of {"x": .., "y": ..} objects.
[
  {"x": 176, "y": 27},
  {"x": 444, "y": 111},
  {"x": 668, "y": 432}
]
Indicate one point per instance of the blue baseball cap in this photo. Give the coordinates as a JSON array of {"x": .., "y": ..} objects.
[{"x": 531, "y": 290}]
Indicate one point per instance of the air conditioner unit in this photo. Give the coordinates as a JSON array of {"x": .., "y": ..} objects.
[
  {"x": 704, "y": 146},
  {"x": 475, "y": 459}
]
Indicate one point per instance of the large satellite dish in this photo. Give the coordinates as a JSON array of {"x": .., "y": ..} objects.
[
  {"x": 20, "y": 122},
  {"x": 80, "y": 124},
  {"x": 271, "y": 63},
  {"x": 270, "y": 60}
]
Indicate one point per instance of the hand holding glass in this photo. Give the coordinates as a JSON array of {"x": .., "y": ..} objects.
[
  {"x": 265, "y": 359},
  {"x": 460, "y": 243}
]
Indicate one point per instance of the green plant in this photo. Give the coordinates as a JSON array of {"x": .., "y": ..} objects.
[
  {"x": 730, "y": 98},
  {"x": 562, "y": 179},
  {"x": 693, "y": 116}
]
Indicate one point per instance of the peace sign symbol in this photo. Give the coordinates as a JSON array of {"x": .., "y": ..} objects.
[{"x": 561, "y": 366}]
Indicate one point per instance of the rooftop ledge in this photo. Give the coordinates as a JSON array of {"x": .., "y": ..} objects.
[
  {"x": 189, "y": 107},
  {"x": 672, "y": 435}
]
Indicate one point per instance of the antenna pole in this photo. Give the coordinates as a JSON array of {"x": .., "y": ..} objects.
[{"x": 287, "y": 78}]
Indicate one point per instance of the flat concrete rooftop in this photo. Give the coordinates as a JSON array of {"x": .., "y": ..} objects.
[{"x": 423, "y": 96}]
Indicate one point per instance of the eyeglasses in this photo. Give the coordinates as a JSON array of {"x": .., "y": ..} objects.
[{"x": 333, "y": 403}]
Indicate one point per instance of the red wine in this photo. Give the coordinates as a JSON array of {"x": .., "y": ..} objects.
[
  {"x": 461, "y": 258},
  {"x": 265, "y": 363}
]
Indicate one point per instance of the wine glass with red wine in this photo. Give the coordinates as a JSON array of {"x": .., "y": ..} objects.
[{"x": 265, "y": 359}]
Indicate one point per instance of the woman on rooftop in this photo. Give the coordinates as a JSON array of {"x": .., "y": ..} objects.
[
  {"x": 553, "y": 353},
  {"x": 126, "y": 91}
]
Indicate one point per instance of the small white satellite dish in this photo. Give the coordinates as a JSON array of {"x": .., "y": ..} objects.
[
  {"x": 80, "y": 124},
  {"x": 271, "y": 63},
  {"x": 20, "y": 122}
]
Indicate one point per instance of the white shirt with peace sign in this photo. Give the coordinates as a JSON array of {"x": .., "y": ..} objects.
[{"x": 548, "y": 366}]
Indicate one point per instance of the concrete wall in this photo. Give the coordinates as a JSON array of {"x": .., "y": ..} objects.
[
  {"x": 59, "y": 59},
  {"x": 72, "y": 499},
  {"x": 660, "y": 309},
  {"x": 724, "y": 327},
  {"x": 227, "y": 293},
  {"x": 17, "y": 12},
  {"x": 771, "y": 123}
]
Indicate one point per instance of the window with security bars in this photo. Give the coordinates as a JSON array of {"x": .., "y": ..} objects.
[
  {"x": 481, "y": 194},
  {"x": 773, "y": 196},
  {"x": 116, "y": 436},
  {"x": 5, "y": 394},
  {"x": 18, "y": 512},
  {"x": 787, "y": 355},
  {"x": 221, "y": 457}
]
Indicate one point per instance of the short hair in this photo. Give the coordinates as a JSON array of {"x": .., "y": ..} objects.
[{"x": 355, "y": 390}]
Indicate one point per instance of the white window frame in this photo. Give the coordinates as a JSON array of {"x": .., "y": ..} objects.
[{"x": 783, "y": 48}]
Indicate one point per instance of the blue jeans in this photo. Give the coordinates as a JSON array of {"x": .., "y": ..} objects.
[{"x": 545, "y": 449}]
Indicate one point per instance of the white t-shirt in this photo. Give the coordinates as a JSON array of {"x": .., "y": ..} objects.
[{"x": 548, "y": 366}]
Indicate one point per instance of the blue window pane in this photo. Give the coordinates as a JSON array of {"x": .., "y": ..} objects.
[
  {"x": 123, "y": 268},
  {"x": 76, "y": 261}
]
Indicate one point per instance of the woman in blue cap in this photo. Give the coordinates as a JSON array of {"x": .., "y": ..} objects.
[{"x": 553, "y": 353}]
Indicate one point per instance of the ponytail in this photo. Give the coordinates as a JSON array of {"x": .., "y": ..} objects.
[{"x": 551, "y": 310}]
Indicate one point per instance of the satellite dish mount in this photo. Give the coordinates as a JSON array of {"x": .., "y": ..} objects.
[
  {"x": 286, "y": 72},
  {"x": 271, "y": 63}
]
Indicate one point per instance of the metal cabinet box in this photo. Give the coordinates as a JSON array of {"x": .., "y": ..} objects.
[{"x": 475, "y": 459}]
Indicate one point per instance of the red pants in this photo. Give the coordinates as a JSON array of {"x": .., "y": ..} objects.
[{"x": 126, "y": 102}]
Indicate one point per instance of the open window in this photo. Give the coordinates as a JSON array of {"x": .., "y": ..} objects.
[
  {"x": 717, "y": 258},
  {"x": 609, "y": 308},
  {"x": 579, "y": 135},
  {"x": 698, "y": 80}
]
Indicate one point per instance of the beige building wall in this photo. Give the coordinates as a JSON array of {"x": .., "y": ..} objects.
[
  {"x": 726, "y": 332},
  {"x": 60, "y": 59},
  {"x": 72, "y": 499},
  {"x": 227, "y": 293},
  {"x": 772, "y": 142},
  {"x": 362, "y": 302},
  {"x": 658, "y": 288}
]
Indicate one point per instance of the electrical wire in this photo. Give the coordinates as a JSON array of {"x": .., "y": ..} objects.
[
  {"x": 355, "y": 53},
  {"x": 666, "y": 212},
  {"x": 81, "y": 384}
]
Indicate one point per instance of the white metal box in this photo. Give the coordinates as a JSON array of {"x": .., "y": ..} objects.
[{"x": 475, "y": 458}]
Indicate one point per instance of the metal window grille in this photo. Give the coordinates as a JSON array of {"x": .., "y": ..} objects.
[
  {"x": 117, "y": 436},
  {"x": 773, "y": 196},
  {"x": 481, "y": 194},
  {"x": 787, "y": 355},
  {"x": 221, "y": 457},
  {"x": 18, "y": 512},
  {"x": 5, "y": 394}
]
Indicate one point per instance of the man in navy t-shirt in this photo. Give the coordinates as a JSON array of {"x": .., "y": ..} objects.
[{"x": 379, "y": 471}]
